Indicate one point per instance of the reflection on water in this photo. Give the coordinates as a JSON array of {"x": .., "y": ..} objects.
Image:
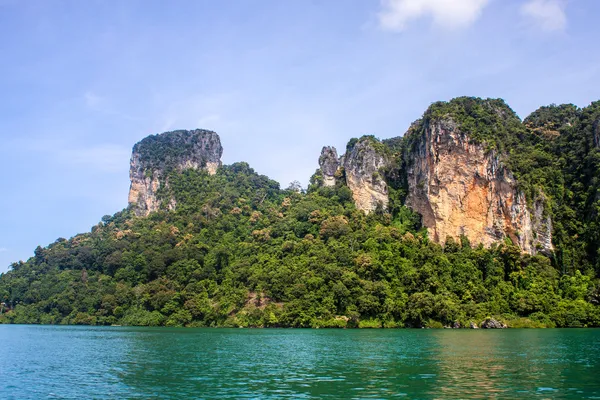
[
  {"x": 76, "y": 362},
  {"x": 475, "y": 365},
  {"x": 519, "y": 363}
]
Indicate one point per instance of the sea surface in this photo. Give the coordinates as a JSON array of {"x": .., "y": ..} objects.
[{"x": 72, "y": 362}]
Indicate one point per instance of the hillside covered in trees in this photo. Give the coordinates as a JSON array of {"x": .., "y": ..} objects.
[{"x": 231, "y": 248}]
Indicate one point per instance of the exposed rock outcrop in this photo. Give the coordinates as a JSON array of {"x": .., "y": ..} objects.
[
  {"x": 329, "y": 164},
  {"x": 491, "y": 323},
  {"x": 154, "y": 157},
  {"x": 461, "y": 188},
  {"x": 542, "y": 227},
  {"x": 452, "y": 176},
  {"x": 362, "y": 164}
]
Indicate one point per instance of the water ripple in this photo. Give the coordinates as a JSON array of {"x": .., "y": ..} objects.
[{"x": 38, "y": 362}]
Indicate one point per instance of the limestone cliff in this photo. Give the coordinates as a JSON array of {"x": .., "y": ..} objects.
[
  {"x": 360, "y": 169},
  {"x": 329, "y": 164},
  {"x": 154, "y": 157},
  {"x": 362, "y": 163},
  {"x": 461, "y": 188},
  {"x": 451, "y": 168}
]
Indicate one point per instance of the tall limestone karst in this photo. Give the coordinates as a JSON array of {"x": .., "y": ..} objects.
[
  {"x": 460, "y": 185},
  {"x": 454, "y": 172},
  {"x": 154, "y": 157},
  {"x": 363, "y": 163},
  {"x": 360, "y": 169},
  {"x": 329, "y": 164},
  {"x": 237, "y": 250}
]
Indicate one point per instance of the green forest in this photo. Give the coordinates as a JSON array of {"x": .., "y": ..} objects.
[{"x": 239, "y": 251}]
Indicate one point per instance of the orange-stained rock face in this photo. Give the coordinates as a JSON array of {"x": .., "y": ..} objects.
[{"x": 461, "y": 189}]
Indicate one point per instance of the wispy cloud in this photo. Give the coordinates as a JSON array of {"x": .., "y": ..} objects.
[
  {"x": 3, "y": 249},
  {"x": 450, "y": 14},
  {"x": 548, "y": 15},
  {"x": 100, "y": 157}
]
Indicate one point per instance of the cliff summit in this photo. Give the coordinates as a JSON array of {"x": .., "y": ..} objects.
[{"x": 154, "y": 157}]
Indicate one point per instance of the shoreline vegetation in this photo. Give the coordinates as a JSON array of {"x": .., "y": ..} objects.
[
  {"x": 337, "y": 323},
  {"x": 237, "y": 250},
  {"x": 514, "y": 323}
]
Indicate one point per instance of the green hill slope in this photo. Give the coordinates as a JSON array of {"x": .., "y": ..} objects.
[{"x": 239, "y": 251}]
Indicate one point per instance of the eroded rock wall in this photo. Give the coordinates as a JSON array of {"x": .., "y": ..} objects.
[
  {"x": 459, "y": 188},
  {"x": 329, "y": 164},
  {"x": 360, "y": 169},
  {"x": 362, "y": 165}
]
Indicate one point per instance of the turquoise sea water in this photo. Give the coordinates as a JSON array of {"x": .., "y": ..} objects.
[{"x": 39, "y": 362}]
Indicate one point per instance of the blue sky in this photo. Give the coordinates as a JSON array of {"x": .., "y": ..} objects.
[{"x": 82, "y": 81}]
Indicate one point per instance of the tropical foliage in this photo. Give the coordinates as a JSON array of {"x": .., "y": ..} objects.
[{"x": 239, "y": 251}]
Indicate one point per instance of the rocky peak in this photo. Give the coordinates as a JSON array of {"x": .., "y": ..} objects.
[
  {"x": 461, "y": 187},
  {"x": 154, "y": 157},
  {"x": 451, "y": 165},
  {"x": 329, "y": 164},
  {"x": 362, "y": 164}
]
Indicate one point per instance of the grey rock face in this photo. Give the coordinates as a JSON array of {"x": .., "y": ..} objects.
[
  {"x": 154, "y": 157},
  {"x": 363, "y": 164},
  {"x": 329, "y": 164},
  {"x": 491, "y": 323},
  {"x": 542, "y": 227}
]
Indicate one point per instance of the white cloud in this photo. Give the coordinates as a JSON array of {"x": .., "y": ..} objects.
[
  {"x": 549, "y": 15},
  {"x": 449, "y": 14},
  {"x": 102, "y": 157},
  {"x": 3, "y": 249}
]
